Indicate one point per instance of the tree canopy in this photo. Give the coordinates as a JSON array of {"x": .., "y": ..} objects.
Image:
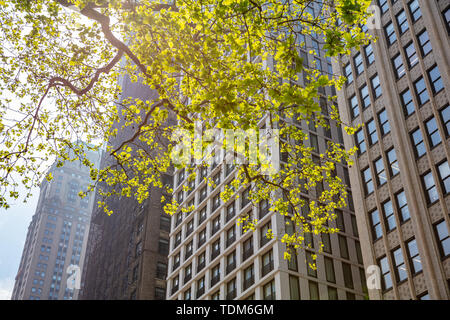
[{"x": 226, "y": 64}]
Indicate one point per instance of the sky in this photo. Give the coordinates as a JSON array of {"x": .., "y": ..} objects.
[
  {"x": 13, "y": 230},
  {"x": 14, "y": 226}
]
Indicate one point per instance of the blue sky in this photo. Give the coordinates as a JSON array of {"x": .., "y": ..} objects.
[{"x": 13, "y": 230}]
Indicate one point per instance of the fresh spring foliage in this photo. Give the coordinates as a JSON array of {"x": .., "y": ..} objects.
[{"x": 227, "y": 63}]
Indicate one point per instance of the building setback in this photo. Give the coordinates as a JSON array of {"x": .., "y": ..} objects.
[
  {"x": 399, "y": 88},
  {"x": 57, "y": 235},
  {"x": 127, "y": 251}
]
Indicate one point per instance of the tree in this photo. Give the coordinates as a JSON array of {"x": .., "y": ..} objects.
[{"x": 228, "y": 62}]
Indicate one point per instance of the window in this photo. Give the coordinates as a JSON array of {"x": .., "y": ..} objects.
[
  {"x": 368, "y": 183},
  {"x": 160, "y": 293},
  {"x": 365, "y": 98},
  {"x": 329, "y": 270},
  {"x": 389, "y": 31},
  {"x": 354, "y": 106},
  {"x": 215, "y": 274},
  {"x": 384, "y": 122},
  {"x": 407, "y": 103},
  {"x": 418, "y": 143},
  {"x": 161, "y": 270},
  {"x": 389, "y": 216},
  {"x": 358, "y": 252},
  {"x": 249, "y": 277},
  {"x": 203, "y": 173},
  {"x": 326, "y": 241},
  {"x": 398, "y": 66},
  {"x": 201, "y": 237},
  {"x": 231, "y": 235},
  {"x": 263, "y": 234},
  {"x": 332, "y": 293},
  {"x": 263, "y": 208},
  {"x": 215, "y": 225},
  {"x": 415, "y": 263},
  {"x": 424, "y": 296},
  {"x": 372, "y": 132},
  {"x": 348, "y": 73},
  {"x": 370, "y": 58},
  {"x": 175, "y": 283},
  {"x": 215, "y": 249},
  {"x": 376, "y": 224},
  {"x": 314, "y": 142},
  {"x": 177, "y": 240},
  {"x": 445, "y": 117},
  {"x": 360, "y": 142},
  {"x": 248, "y": 248},
  {"x": 393, "y": 164},
  {"x": 340, "y": 222},
  {"x": 230, "y": 212},
  {"x": 444, "y": 177},
  {"x": 421, "y": 91},
  {"x": 348, "y": 278},
  {"x": 402, "y": 206},
  {"x": 203, "y": 193},
  {"x": 399, "y": 265},
  {"x": 231, "y": 289},
  {"x": 202, "y": 215},
  {"x": 267, "y": 263},
  {"x": 446, "y": 16},
  {"x": 294, "y": 288},
  {"x": 359, "y": 66},
  {"x": 187, "y": 273},
  {"x": 435, "y": 79},
  {"x": 376, "y": 86},
  {"x": 383, "y": 5},
  {"x": 443, "y": 238},
  {"x": 189, "y": 227},
  {"x": 201, "y": 261},
  {"x": 269, "y": 291},
  {"x": 425, "y": 44},
  {"x": 245, "y": 197},
  {"x": 231, "y": 262},
  {"x": 411, "y": 55},
  {"x": 430, "y": 188},
  {"x": 414, "y": 9},
  {"x": 188, "y": 249},
  {"x": 385, "y": 273},
  {"x": 310, "y": 262},
  {"x": 163, "y": 246},
  {"x": 313, "y": 290},
  {"x": 402, "y": 22},
  {"x": 343, "y": 246},
  {"x": 216, "y": 202},
  {"x": 380, "y": 172},
  {"x": 200, "y": 287},
  {"x": 433, "y": 132}
]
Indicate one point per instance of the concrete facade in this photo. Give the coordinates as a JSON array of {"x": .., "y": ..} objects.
[{"x": 400, "y": 180}]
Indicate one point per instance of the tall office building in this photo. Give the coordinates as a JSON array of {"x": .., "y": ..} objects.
[
  {"x": 399, "y": 88},
  {"x": 127, "y": 251},
  {"x": 57, "y": 235},
  {"x": 211, "y": 258}
]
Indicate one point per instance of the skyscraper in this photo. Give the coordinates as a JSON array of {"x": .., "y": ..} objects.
[
  {"x": 127, "y": 251},
  {"x": 399, "y": 88},
  {"x": 212, "y": 258},
  {"x": 57, "y": 236}
]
